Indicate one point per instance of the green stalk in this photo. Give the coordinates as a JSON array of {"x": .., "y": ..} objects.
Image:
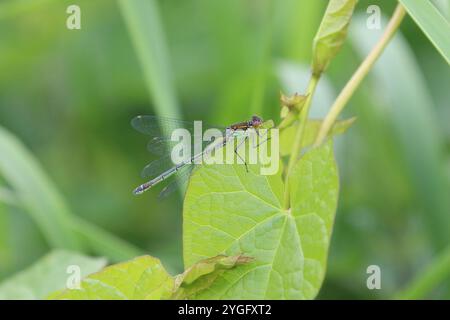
[
  {"x": 360, "y": 74},
  {"x": 303, "y": 118}
]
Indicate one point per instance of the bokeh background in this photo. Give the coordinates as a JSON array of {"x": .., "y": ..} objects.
[{"x": 67, "y": 98}]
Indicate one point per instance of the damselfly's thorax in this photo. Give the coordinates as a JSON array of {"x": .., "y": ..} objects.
[{"x": 254, "y": 123}]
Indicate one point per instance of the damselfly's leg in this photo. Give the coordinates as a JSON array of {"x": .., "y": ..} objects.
[
  {"x": 262, "y": 136},
  {"x": 237, "y": 153},
  {"x": 257, "y": 133}
]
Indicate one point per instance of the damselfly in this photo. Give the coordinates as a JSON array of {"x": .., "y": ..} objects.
[{"x": 160, "y": 129}]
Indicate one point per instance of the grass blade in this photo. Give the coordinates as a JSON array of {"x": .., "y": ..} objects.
[
  {"x": 433, "y": 275},
  {"x": 145, "y": 29},
  {"x": 35, "y": 193},
  {"x": 435, "y": 26},
  {"x": 103, "y": 243}
]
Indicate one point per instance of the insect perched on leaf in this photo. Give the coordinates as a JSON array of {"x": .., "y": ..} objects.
[{"x": 160, "y": 129}]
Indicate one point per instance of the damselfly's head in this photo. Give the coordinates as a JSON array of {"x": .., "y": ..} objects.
[{"x": 256, "y": 121}]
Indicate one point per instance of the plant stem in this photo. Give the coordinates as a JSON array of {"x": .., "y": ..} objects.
[
  {"x": 360, "y": 74},
  {"x": 303, "y": 118}
]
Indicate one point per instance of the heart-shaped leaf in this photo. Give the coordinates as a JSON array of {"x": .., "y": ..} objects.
[{"x": 230, "y": 211}]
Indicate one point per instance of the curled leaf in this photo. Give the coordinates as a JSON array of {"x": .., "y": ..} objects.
[
  {"x": 332, "y": 33},
  {"x": 144, "y": 278},
  {"x": 202, "y": 274}
]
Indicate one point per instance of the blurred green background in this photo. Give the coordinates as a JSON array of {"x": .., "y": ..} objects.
[{"x": 67, "y": 97}]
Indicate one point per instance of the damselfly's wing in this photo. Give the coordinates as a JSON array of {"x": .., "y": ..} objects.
[
  {"x": 181, "y": 179},
  {"x": 164, "y": 163},
  {"x": 157, "y": 167},
  {"x": 179, "y": 182},
  {"x": 159, "y": 126},
  {"x": 161, "y": 129},
  {"x": 161, "y": 146}
]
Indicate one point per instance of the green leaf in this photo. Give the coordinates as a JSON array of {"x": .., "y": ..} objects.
[
  {"x": 141, "y": 278},
  {"x": 312, "y": 129},
  {"x": 145, "y": 278},
  {"x": 314, "y": 193},
  {"x": 332, "y": 33},
  {"x": 229, "y": 211},
  {"x": 203, "y": 273},
  {"x": 435, "y": 26},
  {"x": 47, "y": 275}
]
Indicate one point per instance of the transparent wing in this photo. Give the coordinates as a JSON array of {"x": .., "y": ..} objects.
[
  {"x": 157, "y": 167},
  {"x": 179, "y": 183},
  {"x": 162, "y": 145},
  {"x": 157, "y": 126}
]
